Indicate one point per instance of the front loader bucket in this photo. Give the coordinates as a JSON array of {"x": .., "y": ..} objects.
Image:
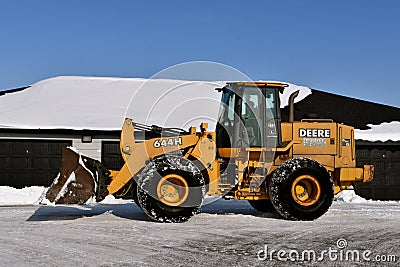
[{"x": 78, "y": 180}]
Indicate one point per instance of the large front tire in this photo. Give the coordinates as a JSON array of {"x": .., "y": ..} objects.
[
  {"x": 170, "y": 189},
  {"x": 301, "y": 189},
  {"x": 134, "y": 192}
]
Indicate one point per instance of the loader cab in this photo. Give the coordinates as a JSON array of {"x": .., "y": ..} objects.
[{"x": 249, "y": 115}]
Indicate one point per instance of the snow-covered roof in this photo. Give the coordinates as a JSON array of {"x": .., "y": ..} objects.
[
  {"x": 100, "y": 103},
  {"x": 383, "y": 132}
]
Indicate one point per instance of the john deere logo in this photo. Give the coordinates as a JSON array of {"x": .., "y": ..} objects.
[{"x": 314, "y": 133}]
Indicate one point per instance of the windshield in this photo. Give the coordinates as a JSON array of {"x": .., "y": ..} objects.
[
  {"x": 248, "y": 114},
  {"x": 251, "y": 114}
]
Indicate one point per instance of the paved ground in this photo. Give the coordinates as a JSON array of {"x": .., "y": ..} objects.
[{"x": 226, "y": 233}]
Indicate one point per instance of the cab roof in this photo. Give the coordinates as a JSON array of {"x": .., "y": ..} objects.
[{"x": 259, "y": 84}]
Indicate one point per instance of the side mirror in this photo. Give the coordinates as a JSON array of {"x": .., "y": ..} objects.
[{"x": 223, "y": 89}]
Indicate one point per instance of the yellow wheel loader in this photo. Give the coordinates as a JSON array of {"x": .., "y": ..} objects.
[{"x": 291, "y": 167}]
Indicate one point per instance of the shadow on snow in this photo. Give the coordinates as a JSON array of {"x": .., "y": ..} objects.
[{"x": 131, "y": 211}]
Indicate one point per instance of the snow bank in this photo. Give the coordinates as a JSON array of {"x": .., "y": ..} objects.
[
  {"x": 350, "y": 195},
  {"x": 382, "y": 132},
  {"x": 24, "y": 196},
  {"x": 110, "y": 199},
  {"x": 100, "y": 103},
  {"x": 35, "y": 195}
]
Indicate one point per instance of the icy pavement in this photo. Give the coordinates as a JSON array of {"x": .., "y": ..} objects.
[{"x": 225, "y": 233}]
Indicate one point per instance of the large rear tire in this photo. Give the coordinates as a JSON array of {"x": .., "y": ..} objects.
[
  {"x": 301, "y": 189},
  {"x": 170, "y": 189}
]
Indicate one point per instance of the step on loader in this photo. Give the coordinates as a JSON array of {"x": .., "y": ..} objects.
[{"x": 290, "y": 167}]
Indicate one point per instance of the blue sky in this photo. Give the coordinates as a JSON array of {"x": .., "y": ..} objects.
[{"x": 344, "y": 47}]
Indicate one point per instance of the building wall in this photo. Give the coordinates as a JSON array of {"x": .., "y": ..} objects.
[
  {"x": 29, "y": 159},
  {"x": 92, "y": 150},
  {"x": 385, "y": 156},
  {"x": 30, "y": 162}
]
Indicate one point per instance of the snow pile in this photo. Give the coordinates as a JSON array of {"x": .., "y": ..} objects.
[
  {"x": 110, "y": 199},
  {"x": 350, "y": 195},
  {"x": 383, "y": 132},
  {"x": 100, "y": 103},
  {"x": 35, "y": 195},
  {"x": 24, "y": 196}
]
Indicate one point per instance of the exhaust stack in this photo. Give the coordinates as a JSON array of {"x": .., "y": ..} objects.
[{"x": 291, "y": 105}]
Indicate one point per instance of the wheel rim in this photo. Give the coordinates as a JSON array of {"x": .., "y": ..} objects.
[
  {"x": 306, "y": 190},
  {"x": 172, "y": 190}
]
